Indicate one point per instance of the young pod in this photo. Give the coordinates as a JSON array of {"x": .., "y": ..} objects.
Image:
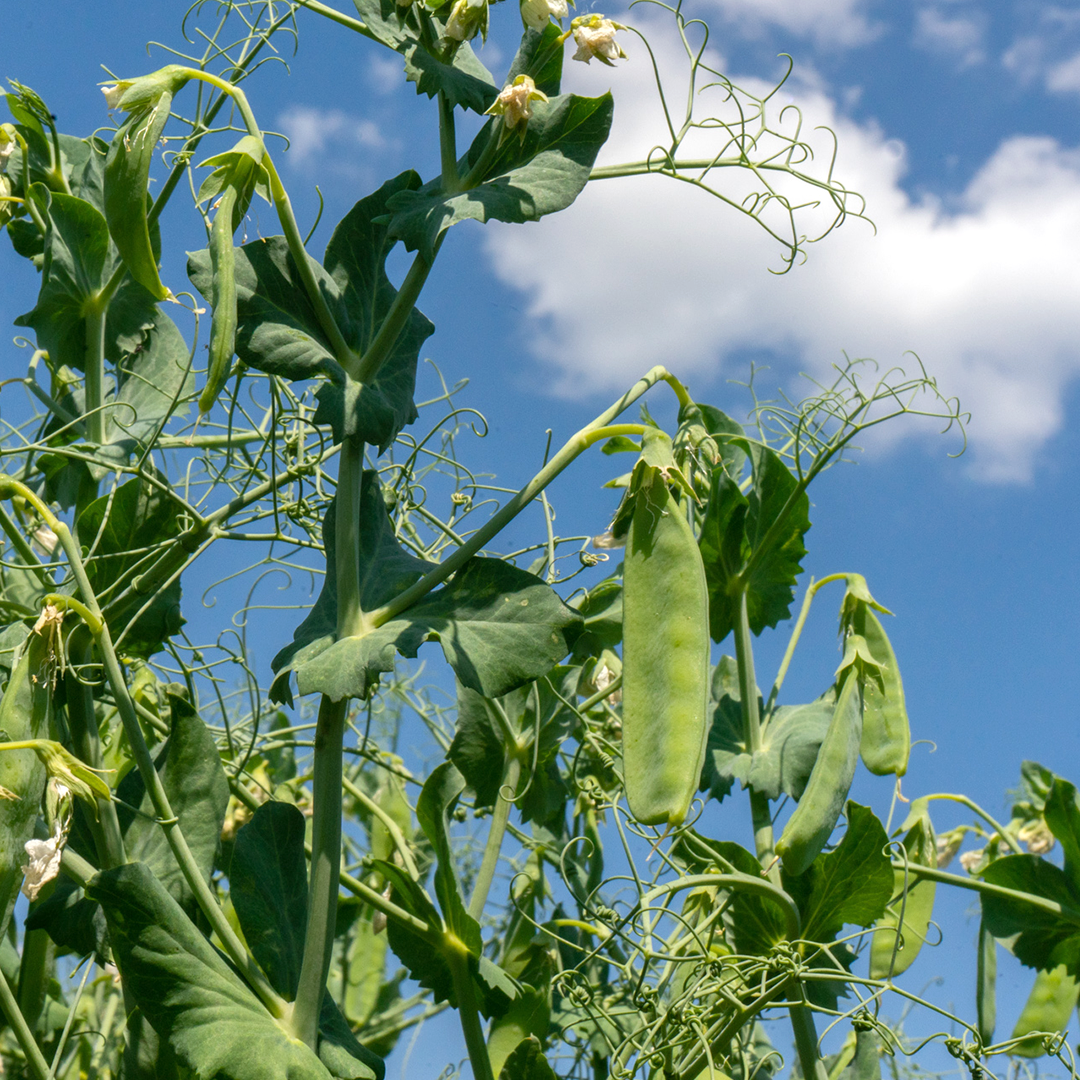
[
  {"x": 223, "y": 299},
  {"x": 886, "y": 734},
  {"x": 814, "y": 819},
  {"x": 665, "y": 657}
]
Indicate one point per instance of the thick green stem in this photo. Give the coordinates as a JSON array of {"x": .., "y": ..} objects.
[
  {"x": 748, "y": 693},
  {"x": 95, "y": 372},
  {"x": 39, "y": 1067},
  {"x": 500, "y": 817},
  {"x": 325, "y": 870},
  {"x": 457, "y": 955},
  {"x": 34, "y": 974},
  {"x": 350, "y": 611},
  {"x": 577, "y": 445},
  {"x": 448, "y": 144},
  {"x": 806, "y": 1043}
]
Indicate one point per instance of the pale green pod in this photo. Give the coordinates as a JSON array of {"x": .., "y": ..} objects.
[
  {"x": 809, "y": 827},
  {"x": 986, "y": 984},
  {"x": 223, "y": 298},
  {"x": 1048, "y": 1009},
  {"x": 665, "y": 658},
  {"x": 886, "y": 734}
]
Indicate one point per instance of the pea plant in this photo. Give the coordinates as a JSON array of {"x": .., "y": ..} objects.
[{"x": 247, "y": 879}]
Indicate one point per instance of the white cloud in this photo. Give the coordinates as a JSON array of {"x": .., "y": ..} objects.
[
  {"x": 313, "y": 131},
  {"x": 828, "y": 22},
  {"x": 958, "y": 35},
  {"x": 1065, "y": 77},
  {"x": 643, "y": 271}
]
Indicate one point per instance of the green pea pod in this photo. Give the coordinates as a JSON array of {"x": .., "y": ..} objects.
[
  {"x": 986, "y": 985},
  {"x": 886, "y": 734},
  {"x": 24, "y": 715},
  {"x": 1048, "y": 1008},
  {"x": 893, "y": 947},
  {"x": 814, "y": 819},
  {"x": 665, "y": 657},
  {"x": 223, "y": 299},
  {"x": 127, "y": 172}
]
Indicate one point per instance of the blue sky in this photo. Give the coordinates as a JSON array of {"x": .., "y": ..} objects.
[{"x": 956, "y": 120}]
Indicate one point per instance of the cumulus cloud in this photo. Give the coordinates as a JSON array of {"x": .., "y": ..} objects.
[
  {"x": 644, "y": 270},
  {"x": 960, "y": 35},
  {"x": 827, "y": 22},
  {"x": 312, "y": 132}
]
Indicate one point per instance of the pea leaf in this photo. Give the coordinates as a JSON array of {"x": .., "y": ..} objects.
[
  {"x": 191, "y": 997},
  {"x": 527, "y": 1062},
  {"x": 499, "y": 627},
  {"x": 753, "y": 541},
  {"x": 268, "y": 884},
  {"x": 601, "y": 611},
  {"x": 540, "y": 56},
  {"x": 278, "y": 331},
  {"x": 1062, "y": 813},
  {"x": 525, "y": 180},
  {"x": 1043, "y": 939}
]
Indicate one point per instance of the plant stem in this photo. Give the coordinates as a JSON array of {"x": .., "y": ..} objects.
[
  {"x": 500, "y": 816},
  {"x": 802, "y": 1024},
  {"x": 448, "y": 144},
  {"x": 350, "y": 611},
  {"x": 572, "y": 449},
  {"x": 33, "y": 975},
  {"x": 94, "y": 361},
  {"x": 336, "y": 16},
  {"x": 39, "y": 1067},
  {"x": 963, "y": 800},
  {"x": 325, "y": 870},
  {"x": 391, "y": 826},
  {"x": 748, "y": 694},
  {"x": 457, "y": 956}
]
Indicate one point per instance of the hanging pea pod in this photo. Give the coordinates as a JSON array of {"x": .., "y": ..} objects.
[
  {"x": 814, "y": 819},
  {"x": 1048, "y": 1008},
  {"x": 223, "y": 300},
  {"x": 894, "y": 946},
  {"x": 986, "y": 984},
  {"x": 24, "y": 715},
  {"x": 665, "y": 656},
  {"x": 886, "y": 735},
  {"x": 127, "y": 169}
]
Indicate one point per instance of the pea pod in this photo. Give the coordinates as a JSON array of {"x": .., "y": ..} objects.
[
  {"x": 814, "y": 819},
  {"x": 1048, "y": 1008},
  {"x": 886, "y": 733},
  {"x": 127, "y": 172},
  {"x": 986, "y": 984},
  {"x": 24, "y": 714},
  {"x": 894, "y": 945},
  {"x": 223, "y": 300},
  {"x": 665, "y": 657}
]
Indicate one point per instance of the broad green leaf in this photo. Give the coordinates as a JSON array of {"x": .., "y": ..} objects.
[
  {"x": 145, "y": 1056},
  {"x": 866, "y": 1062},
  {"x": 540, "y": 56},
  {"x": 849, "y": 885},
  {"x": 1043, "y": 939},
  {"x": 127, "y": 170},
  {"x": 339, "y": 1049},
  {"x": 754, "y": 541},
  {"x": 1062, "y": 813},
  {"x": 279, "y": 332},
  {"x": 527, "y": 1017},
  {"x": 524, "y": 181},
  {"x": 268, "y": 886},
  {"x": 478, "y": 749},
  {"x": 122, "y": 525},
  {"x": 527, "y": 1062},
  {"x": 1047, "y": 1010},
  {"x": 24, "y": 714},
  {"x": 195, "y": 1002},
  {"x": 894, "y": 947},
  {"x": 601, "y": 609}
]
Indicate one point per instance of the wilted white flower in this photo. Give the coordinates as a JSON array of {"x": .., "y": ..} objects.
[
  {"x": 595, "y": 36},
  {"x": 536, "y": 14},
  {"x": 44, "y": 856},
  {"x": 7, "y": 144},
  {"x": 113, "y": 94},
  {"x": 44, "y": 540},
  {"x": 971, "y": 859},
  {"x": 514, "y": 103},
  {"x": 1037, "y": 836},
  {"x": 948, "y": 844},
  {"x": 606, "y": 541}
]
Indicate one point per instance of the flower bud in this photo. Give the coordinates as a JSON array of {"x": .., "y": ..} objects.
[
  {"x": 595, "y": 36},
  {"x": 536, "y": 14}
]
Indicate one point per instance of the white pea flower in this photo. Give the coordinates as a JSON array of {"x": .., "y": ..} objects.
[
  {"x": 514, "y": 103},
  {"x": 467, "y": 18},
  {"x": 595, "y": 36},
  {"x": 536, "y": 14},
  {"x": 44, "y": 856},
  {"x": 1037, "y": 837},
  {"x": 970, "y": 860},
  {"x": 114, "y": 94},
  {"x": 7, "y": 144},
  {"x": 44, "y": 540}
]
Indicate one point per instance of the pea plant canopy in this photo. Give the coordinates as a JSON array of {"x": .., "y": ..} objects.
[{"x": 225, "y": 885}]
